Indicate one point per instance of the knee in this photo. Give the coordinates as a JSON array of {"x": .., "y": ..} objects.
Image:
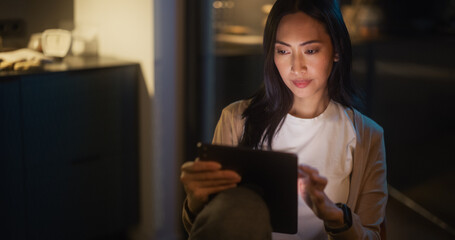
[{"x": 237, "y": 213}]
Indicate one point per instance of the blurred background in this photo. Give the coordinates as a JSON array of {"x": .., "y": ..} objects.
[{"x": 92, "y": 141}]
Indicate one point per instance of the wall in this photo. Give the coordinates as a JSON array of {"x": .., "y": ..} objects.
[
  {"x": 45, "y": 14},
  {"x": 38, "y": 16},
  {"x": 125, "y": 30},
  {"x": 133, "y": 30},
  {"x": 12, "y": 9}
]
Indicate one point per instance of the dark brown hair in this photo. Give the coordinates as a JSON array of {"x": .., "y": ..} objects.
[{"x": 274, "y": 100}]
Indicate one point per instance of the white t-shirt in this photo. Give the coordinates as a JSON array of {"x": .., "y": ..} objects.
[{"x": 326, "y": 143}]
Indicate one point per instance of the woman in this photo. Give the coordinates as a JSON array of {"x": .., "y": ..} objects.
[{"x": 305, "y": 107}]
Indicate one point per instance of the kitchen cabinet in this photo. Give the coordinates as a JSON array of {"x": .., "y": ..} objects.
[{"x": 69, "y": 150}]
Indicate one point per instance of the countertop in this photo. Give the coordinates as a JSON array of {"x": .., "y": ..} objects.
[{"x": 70, "y": 63}]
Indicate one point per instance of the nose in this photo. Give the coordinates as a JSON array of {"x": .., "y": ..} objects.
[{"x": 298, "y": 64}]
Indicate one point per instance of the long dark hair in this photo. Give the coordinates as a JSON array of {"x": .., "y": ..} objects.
[{"x": 273, "y": 101}]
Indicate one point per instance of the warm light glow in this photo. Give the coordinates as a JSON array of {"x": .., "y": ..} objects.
[
  {"x": 217, "y": 4},
  {"x": 266, "y": 8},
  {"x": 229, "y": 4},
  {"x": 125, "y": 31},
  {"x": 223, "y": 4}
]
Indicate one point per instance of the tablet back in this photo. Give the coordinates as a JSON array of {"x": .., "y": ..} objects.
[{"x": 272, "y": 174}]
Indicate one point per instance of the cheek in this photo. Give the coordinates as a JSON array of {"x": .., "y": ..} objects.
[
  {"x": 277, "y": 63},
  {"x": 280, "y": 64},
  {"x": 329, "y": 68},
  {"x": 324, "y": 68}
]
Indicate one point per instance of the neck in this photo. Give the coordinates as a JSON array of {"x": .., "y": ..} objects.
[{"x": 309, "y": 108}]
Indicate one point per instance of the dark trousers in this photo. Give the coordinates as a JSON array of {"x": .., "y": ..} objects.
[{"x": 238, "y": 213}]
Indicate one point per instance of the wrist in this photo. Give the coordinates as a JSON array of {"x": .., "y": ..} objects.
[
  {"x": 337, "y": 220},
  {"x": 334, "y": 228}
]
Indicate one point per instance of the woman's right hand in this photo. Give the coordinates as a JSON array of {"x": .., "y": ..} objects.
[{"x": 202, "y": 178}]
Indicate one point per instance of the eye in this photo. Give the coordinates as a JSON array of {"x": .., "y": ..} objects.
[
  {"x": 311, "y": 51},
  {"x": 281, "y": 52}
]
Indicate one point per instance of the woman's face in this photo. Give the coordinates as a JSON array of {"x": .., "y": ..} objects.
[{"x": 304, "y": 56}]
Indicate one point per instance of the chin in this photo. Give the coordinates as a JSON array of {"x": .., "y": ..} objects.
[
  {"x": 302, "y": 93},
  {"x": 306, "y": 93}
]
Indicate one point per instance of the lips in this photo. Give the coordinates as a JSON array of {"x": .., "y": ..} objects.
[{"x": 301, "y": 83}]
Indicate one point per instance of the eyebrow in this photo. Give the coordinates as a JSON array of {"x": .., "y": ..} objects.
[{"x": 301, "y": 44}]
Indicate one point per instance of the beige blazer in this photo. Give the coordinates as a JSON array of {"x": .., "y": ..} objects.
[{"x": 368, "y": 190}]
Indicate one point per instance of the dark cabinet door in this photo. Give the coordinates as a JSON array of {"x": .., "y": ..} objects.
[
  {"x": 80, "y": 133},
  {"x": 12, "y": 192}
]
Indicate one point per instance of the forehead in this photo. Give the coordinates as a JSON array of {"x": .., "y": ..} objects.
[{"x": 301, "y": 27}]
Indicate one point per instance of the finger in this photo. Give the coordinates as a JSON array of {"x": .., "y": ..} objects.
[
  {"x": 202, "y": 194},
  {"x": 305, "y": 170},
  {"x": 189, "y": 177},
  {"x": 318, "y": 196},
  {"x": 305, "y": 178},
  {"x": 319, "y": 181},
  {"x": 200, "y": 166},
  {"x": 302, "y": 173},
  {"x": 215, "y": 183},
  {"x": 308, "y": 169},
  {"x": 206, "y": 165},
  {"x": 220, "y": 188},
  {"x": 312, "y": 184},
  {"x": 215, "y": 175}
]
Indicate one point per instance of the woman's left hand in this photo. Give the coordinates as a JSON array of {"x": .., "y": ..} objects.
[{"x": 314, "y": 195}]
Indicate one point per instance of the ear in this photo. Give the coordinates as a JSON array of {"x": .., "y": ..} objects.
[{"x": 336, "y": 58}]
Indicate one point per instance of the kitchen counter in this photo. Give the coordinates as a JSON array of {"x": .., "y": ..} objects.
[{"x": 69, "y": 63}]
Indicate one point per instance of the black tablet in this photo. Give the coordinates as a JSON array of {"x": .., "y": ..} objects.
[{"x": 273, "y": 174}]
